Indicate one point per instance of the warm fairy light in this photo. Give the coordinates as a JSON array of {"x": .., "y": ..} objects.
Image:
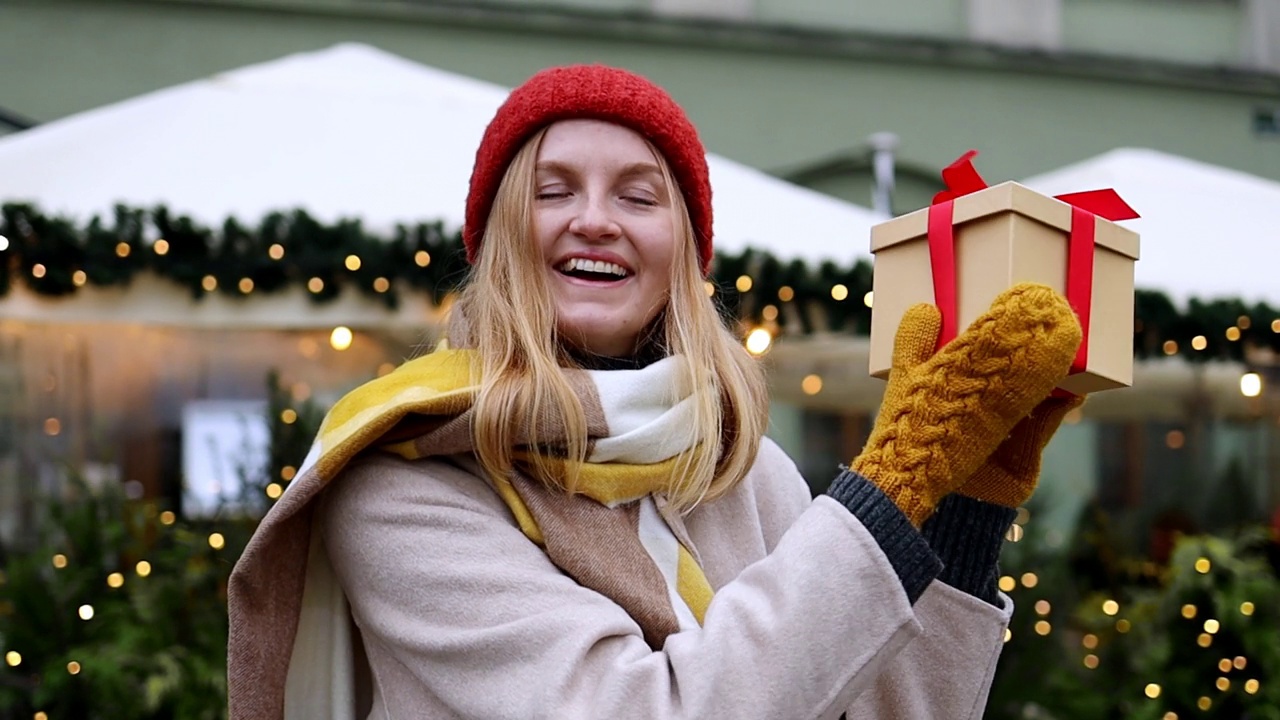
[
  {"x": 381, "y": 284},
  {"x": 1042, "y": 607},
  {"x": 14, "y": 659},
  {"x": 246, "y": 285},
  {"x": 1223, "y": 684},
  {"x": 1224, "y": 665},
  {"x": 1110, "y": 607},
  {"x": 315, "y": 284},
  {"x": 743, "y": 283},
  {"x": 709, "y": 288},
  {"x": 1251, "y": 384},
  {"x": 4, "y": 243},
  {"x": 79, "y": 278},
  {"x": 769, "y": 313},
  {"x": 309, "y": 348},
  {"x": 123, "y": 249},
  {"x": 1175, "y": 439},
  {"x": 1170, "y": 347},
  {"x": 59, "y": 561},
  {"x": 758, "y": 341},
  {"x": 1243, "y": 322},
  {"x": 40, "y": 716},
  {"x": 143, "y": 568},
  {"x": 1246, "y": 608},
  {"x": 1007, "y": 584},
  {"x": 1251, "y": 686},
  {"x": 115, "y": 580},
  {"x": 352, "y": 262},
  {"x": 1022, "y": 516},
  {"x": 274, "y": 491},
  {"x": 276, "y": 251},
  {"x": 868, "y": 299},
  {"x": 786, "y": 294},
  {"x": 1199, "y": 342},
  {"x": 37, "y": 271},
  {"x": 1275, "y": 325},
  {"x": 1203, "y": 566},
  {"x": 1152, "y": 691},
  {"x": 1123, "y": 626},
  {"x": 168, "y": 518},
  {"x": 422, "y": 258},
  {"x": 1233, "y": 334},
  {"x": 839, "y": 292},
  {"x": 1089, "y": 641},
  {"x": 341, "y": 337},
  {"x": 1239, "y": 662},
  {"x": 287, "y": 472},
  {"x": 209, "y": 283},
  {"x": 85, "y": 612},
  {"x": 300, "y": 392},
  {"x": 1188, "y": 611},
  {"x": 811, "y": 385},
  {"x": 1211, "y": 626},
  {"x": 1008, "y": 634},
  {"x": 288, "y": 416},
  {"x": 1204, "y": 703},
  {"x": 1030, "y": 580},
  {"x": 1043, "y": 627},
  {"x": 73, "y": 667},
  {"x": 1014, "y": 534},
  {"x": 161, "y": 247},
  {"x": 52, "y": 427},
  {"x": 216, "y": 541},
  {"x": 1204, "y": 640},
  {"x": 1091, "y": 661},
  {"x": 1171, "y": 715}
]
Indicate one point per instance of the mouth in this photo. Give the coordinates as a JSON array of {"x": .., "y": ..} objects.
[{"x": 594, "y": 271}]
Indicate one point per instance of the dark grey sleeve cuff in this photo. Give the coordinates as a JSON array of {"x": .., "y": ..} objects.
[
  {"x": 967, "y": 535},
  {"x": 908, "y": 552}
]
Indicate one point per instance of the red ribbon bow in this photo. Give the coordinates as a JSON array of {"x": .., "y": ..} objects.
[{"x": 961, "y": 178}]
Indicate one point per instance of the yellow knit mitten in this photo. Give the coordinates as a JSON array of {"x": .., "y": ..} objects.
[
  {"x": 1010, "y": 475},
  {"x": 943, "y": 414}
]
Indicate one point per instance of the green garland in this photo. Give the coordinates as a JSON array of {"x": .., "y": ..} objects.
[{"x": 54, "y": 257}]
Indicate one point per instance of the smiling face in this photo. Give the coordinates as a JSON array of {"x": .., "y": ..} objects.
[{"x": 603, "y": 219}]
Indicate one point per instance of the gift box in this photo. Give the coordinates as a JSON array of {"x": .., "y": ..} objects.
[{"x": 976, "y": 241}]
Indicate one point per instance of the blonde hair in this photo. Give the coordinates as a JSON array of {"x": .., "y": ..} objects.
[{"x": 508, "y": 317}]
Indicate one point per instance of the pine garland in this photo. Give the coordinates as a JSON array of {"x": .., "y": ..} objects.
[{"x": 54, "y": 257}]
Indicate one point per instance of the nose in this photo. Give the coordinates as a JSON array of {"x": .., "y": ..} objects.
[{"x": 594, "y": 221}]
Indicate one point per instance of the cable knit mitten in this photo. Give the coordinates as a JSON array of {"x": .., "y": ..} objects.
[
  {"x": 1010, "y": 475},
  {"x": 944, "y": 414}
]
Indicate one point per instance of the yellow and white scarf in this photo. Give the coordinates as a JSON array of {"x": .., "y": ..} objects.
[{"x": 616, "y": 535}]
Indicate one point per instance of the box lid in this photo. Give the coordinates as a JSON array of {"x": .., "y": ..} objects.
[{"x": 1005, "y": 197}]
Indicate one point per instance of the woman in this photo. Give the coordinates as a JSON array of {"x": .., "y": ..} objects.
[{"x": 570, "y": 512}]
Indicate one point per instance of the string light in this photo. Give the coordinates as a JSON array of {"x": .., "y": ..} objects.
[
  {"x": 868, "y": 299},
  {"x": 769, "y": 313},
  {"x": 1043, "y": 627},
  {"x": 1203, "y": 566},
  {"x": 1251, "y": 385},
  {"x": 839, "y": 292},
  {"x": 758, "y": 341},
  {"x": 168, "y": 518},
  {"x": 13, "y": 658},
  {"x": 1014, "y": 534},
  {"x": 1171, "y": 715},
  {"x": 79, "y": 278},
  {"x": 352, "y": 262},
  {"x": 216, "y": 541},
  {"x": 1091, "y": 661},
  {"x": 1152, "y": 691},
  {"x": 287, "y": 472},
  {"x": 1223, "y": 684},
  {"x": 115, "y": 580},
  {"x": 1008, "y": 634},
  {"x": 73, "y": 667},
  {"x": 315, "y": 284},
  {"x": 1246, "y": 608},
  {"x": 1243, "y": 322},
  {"x": 1240, "y": 662},
  {"x": 422, "y": 258},
  {"x": 1042, "y": 607},
  {"x": 1211, "y": 626},
  {"x": 85, "y": 612},
  {"x": 811, "y": 385},
  {"x": 709, "y": 288},
  {"x": 1170, "y": 347},
  {"x": 1123, "y": 626},
  {"x": 37, "y": 271},
  {"x": 209, "y": 283},
  {"x": 288, "y": 416},
  {"x": 4, "y": 243},
  {"x": 246, "y": 285},
  {"x": 1224, "y": 665},
  {"x": 1188, "y": 611},
  {"x": 381, "y": 284},
  {"x": 40, "y": 716},
  {"x": 1233, "y": 334},
  {"x": 161, "y": 247},
  {"x": 59, "y": 561},
  {"x": 1204, "y": 640},
  {"x": 1175, "y": 439},
  {"x": 743, "y": 283},
  {"x": 143, "y": 568},
  {"x": 276, "y": 251},
  {"x": 274, "y": 491},
  {"x": 1199, "y": 342},
  {"x": 786, "y": 294},
  {"x": 1204, "y": 703},
  {"x": 1089, "y": 641},
  {"x": 52, "y": 427},
  {"x": 341, "y": 337},
  {"x": 1030, "y": 580},
  {"x": 1275, "y": 325},
  {"x": 123, "y": 249},
  {"x": 1008, "y": 584},
  {"x": 1251, "y": 686},
  {"x": 1110, "y": 607}
]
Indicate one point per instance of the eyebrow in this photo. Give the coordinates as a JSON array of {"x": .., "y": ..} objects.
[{"x": 631, "y": 170}]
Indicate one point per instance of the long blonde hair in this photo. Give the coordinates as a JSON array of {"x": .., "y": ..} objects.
[{"x": 507, "y": 316}]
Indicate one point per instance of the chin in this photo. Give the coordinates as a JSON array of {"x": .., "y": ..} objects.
[{"x": 600, "y": 335}]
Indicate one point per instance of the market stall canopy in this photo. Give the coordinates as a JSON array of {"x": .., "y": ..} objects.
[
  {"x": 346, "y": 132},
  {"x": 1207, "y": 231}
]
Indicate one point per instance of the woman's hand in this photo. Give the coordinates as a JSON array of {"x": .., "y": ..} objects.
[{"x": 944, "y": 414}]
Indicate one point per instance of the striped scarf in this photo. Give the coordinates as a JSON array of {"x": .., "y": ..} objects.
[{"x": 613, "y": 535}]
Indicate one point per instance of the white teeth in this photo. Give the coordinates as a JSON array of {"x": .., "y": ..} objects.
[{"x": 595, "y": 266}]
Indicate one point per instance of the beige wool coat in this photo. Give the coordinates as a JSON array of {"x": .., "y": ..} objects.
[{"x": 454, "y": 613}]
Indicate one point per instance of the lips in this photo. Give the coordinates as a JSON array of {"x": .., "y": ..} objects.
[{"x": 593, "y": 270}]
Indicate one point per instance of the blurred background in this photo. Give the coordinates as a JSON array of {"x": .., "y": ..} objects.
[{"x": 220, "y": 215}]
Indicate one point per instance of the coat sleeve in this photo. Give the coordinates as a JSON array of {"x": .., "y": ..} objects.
[{"x": 453, "y": 600}]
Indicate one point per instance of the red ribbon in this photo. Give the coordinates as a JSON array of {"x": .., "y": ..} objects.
[{"x": 961, "y": 178}]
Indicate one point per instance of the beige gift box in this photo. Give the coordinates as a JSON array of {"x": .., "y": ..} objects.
[{"x": 1005, "y": 235}]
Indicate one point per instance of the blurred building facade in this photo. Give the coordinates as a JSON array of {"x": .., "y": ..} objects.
[{"x": 809, "y": 90}]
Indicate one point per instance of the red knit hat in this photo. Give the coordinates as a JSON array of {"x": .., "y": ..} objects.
[{"x": 600, "y": 93}]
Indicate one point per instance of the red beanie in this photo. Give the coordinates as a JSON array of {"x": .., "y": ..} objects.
[{"x": 600, "y": 93}]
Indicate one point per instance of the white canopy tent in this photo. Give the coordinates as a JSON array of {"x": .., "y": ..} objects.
[
  {"x": 350, "y": 131},
  {"x": 1207, "y": 231}
]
